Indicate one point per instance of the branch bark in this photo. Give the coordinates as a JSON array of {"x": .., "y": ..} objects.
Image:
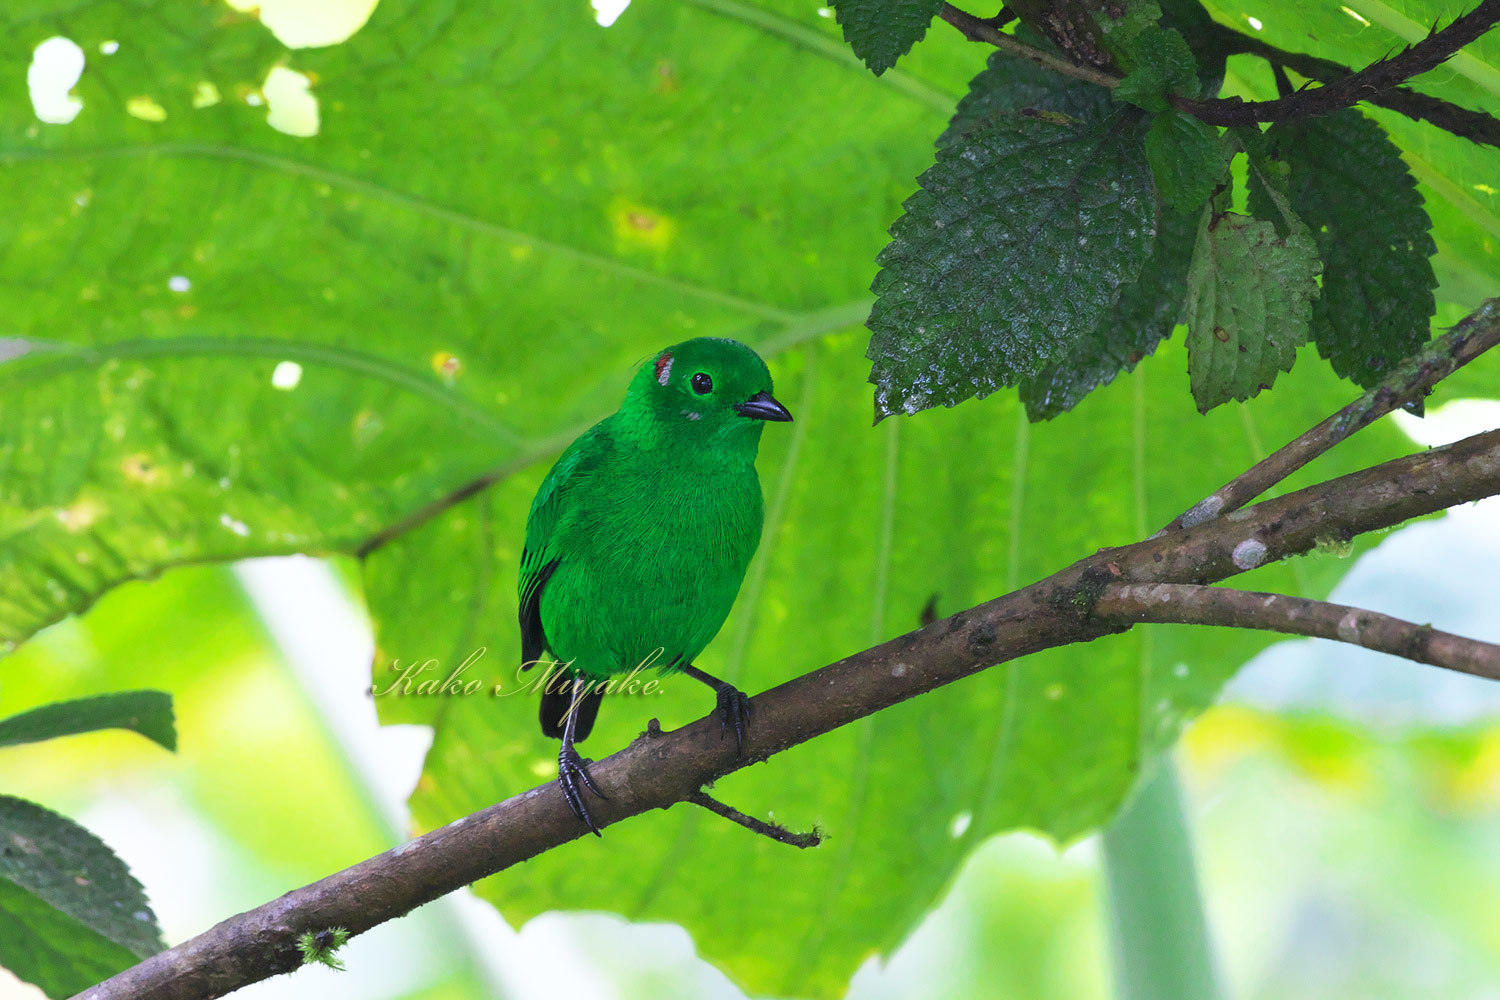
[
  {"x": 1378, "y": 83},
  {"x": 659, "y": 770},
  {"x": 1190, "y": 604}
]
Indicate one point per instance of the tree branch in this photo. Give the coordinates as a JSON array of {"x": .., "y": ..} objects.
[
  {"x": 1377, "y": 83},
  {"x": 656, "y": 771},
  {"x": 1190, "y": 604},
  {"x": 1408, "y": 382}
]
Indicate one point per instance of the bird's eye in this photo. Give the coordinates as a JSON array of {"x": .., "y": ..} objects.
[{"x": 702, "y": 384}]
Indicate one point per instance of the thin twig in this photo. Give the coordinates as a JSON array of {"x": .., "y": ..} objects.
[
  {"x": 656, "y": 772},
  {"x": 775, "y": 831},
  {"x": 1377, "y": 83},
  {"x": 1408, "y": 382},
  {"x": 1190, "y": 604}
]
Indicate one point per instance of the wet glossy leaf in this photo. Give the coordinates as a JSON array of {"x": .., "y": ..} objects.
[{"x": 1014, "y": 249}]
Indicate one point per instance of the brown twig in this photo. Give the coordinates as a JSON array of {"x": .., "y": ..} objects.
[
  {"x": 1377, "y": 83},
  {"x": 1408, "y": 382},
  {"x": 775, "y": 831},
  {"x": 654, "y": 772},
  {"x": 1190, "y": 604}
]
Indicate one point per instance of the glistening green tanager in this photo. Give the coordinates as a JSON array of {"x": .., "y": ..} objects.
[{"x": 640, "y": 535}]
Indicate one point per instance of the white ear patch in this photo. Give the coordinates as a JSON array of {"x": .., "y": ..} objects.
[{"x": 664, "y": 368}]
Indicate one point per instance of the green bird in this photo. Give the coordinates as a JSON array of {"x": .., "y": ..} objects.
[{"x": 640, "y": 535}]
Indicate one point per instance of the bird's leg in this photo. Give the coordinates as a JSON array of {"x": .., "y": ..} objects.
[
  {"x": 733, "y": 707},
  {"x": 573, "y": 769}
]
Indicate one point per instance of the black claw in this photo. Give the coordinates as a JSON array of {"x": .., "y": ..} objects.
[
  {"x": 570, "y": 769},
  {"x": 733, "y": 709}
]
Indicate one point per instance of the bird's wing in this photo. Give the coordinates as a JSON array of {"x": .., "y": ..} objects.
[{"x": 539, "y": 558}]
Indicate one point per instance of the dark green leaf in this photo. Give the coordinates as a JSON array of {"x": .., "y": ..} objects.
[
  {"x": 1348, "y": 183},
  {"x": 1147, "y": 310},
  {"x": 1187, "y": 159},
  {"x": 1009, "y": 84},
  {"x": 146, "y": 712},
  {"x": 1210, "y": 43},
  {"x": 1015, "y": 248},
  {"x": 1160, "y": 63},
  {"x": 882, "y": 31},
  {"x": 1249, "y": 297},
  {"x": 70, "y": 912}
]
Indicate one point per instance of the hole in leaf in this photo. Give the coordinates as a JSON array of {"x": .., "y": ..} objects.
[
  {"x": 56, "y": 66},
  {"x": 298, "y": 24},
  {"x": 286, "y": 376},
  {"x": 293, "y": 109},
  {"x": 607, "y": 12}
]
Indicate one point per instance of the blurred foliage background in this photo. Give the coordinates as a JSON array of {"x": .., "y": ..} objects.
[{"x": 389, "y": 319}]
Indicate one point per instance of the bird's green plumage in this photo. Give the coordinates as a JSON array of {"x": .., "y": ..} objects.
[{"x": 640, "y": 536}]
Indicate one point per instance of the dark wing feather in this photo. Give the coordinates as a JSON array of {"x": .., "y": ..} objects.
[{"x": 533, "y": 639}]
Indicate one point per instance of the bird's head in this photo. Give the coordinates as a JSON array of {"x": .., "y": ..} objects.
[{"x": 707, "y": 386}]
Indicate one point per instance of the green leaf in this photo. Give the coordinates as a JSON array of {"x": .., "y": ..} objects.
[
  {"x": 70, "y": 912},
  {"x": 882, "y": 31},
  {"x": 1349, "y": 185},
  {"x": 146, "y": 712},
  {"x": 1187, "y": 159},
  {"x": 1160, "y": 63},
  {"x": 1014, "y": 248},
  {"x": 1145, "y": 314},
  {"x": 1249, "y": 298},
  {"x": 1209, "y": 43}
]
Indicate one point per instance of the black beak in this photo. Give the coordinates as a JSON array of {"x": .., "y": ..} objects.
[{"x": 763, "y": 406}]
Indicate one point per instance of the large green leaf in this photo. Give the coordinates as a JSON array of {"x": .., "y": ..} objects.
[
  {"x": 146, "y": 712},
  {"x": 70, "y": 912},
  {"x": 506, "y": 210}
]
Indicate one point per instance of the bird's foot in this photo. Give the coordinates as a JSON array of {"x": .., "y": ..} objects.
[
  {"x": 573, "y": 777},
  {"x": 733, "y": 709}
]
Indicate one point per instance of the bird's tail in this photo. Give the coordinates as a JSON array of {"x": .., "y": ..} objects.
[{"x": 555, "y": 705}]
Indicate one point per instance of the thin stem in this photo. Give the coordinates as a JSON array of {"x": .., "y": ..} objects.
[
  {"x": 1159, "y": 936},
  {"x": 775, "y": 831},
  {"x": 1408, "y": 382}
]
